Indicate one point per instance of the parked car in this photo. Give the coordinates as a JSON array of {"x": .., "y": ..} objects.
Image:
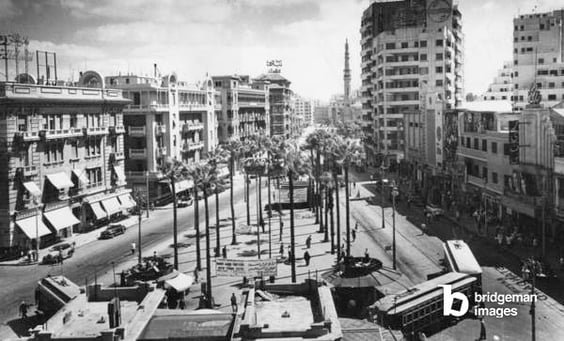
[
  {"x": 58, "y": 252},
  {"x": 434, "y": 210},
  {"x": 112, "y": 231},
  {"x": 184, "y": 202}
]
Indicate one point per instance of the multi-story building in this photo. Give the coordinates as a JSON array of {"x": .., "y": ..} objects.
[
  {"x": 411, "y": 55},
  {"x": 245, "y": 108},
  {"x": 502, "y": 87},
  {"x": 538, "y": 57},
  {"x": 321, "y": 114},
  {"x": 62, "y": 152},
  {"x": 304, "y": 108},
  {"x": 282, "y": 119},
  {"x": 167, "y": 118}
]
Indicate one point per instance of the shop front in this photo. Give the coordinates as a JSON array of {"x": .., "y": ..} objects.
[{"x": 62, "y": 220}]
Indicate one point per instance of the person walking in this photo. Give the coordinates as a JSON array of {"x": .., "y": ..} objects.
[
  {"x": 233, "y": 302},
  {"x": 262, "y": 224},
  {"x": 353, "y": 235},
  {"x": 132, "y": 248},
  {"x": 307, "y": 257},
  {"x": 281, "y": 249},
  {"x": 482, "y": 330},
  {"x": 196, "y": 275},
  {"x": 308, "y": 241},
  {"x": 23, "y": 310},
  {"x": 366, "y": 255}
]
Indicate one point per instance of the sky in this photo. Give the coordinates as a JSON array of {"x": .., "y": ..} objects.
[{"x": 217, "y": 37}]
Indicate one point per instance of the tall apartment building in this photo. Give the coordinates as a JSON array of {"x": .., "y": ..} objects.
[
  {"x": 282, "y": 119},
  {"x": 167, "y": 118},
  {"x": 411, "y": 55},
  {"x": 502, "y": 87},
  {"x": 305, "y": 107},
  {"x": 538, "y": 57},
  {"x": 321, "y": 114},
  {"x": 62, "y": 157},
  {"x": 245, "y": 107}
]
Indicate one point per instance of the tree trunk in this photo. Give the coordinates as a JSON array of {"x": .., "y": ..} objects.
[
  {"x": 247, "y": 197},
  {"x": 347, "y": 214},
  {"x": 292, "y": 234},
  {"x": 332, "y": 223},
  {"x": 318, "y": 188},
  {"x": 326, "y": 230},
  {"x": 233, "y": 228},
  {"x": 279, "y": 209},
  {"x": 312, "y": 183},
  {"x": 174, "y": 223},
  {"x": 259, "y": 212},
  {"x": 217, "y": 238},
  {"x": 197, "y": 226},
  {"x": 337, "y": 188},
  {"x": 269, "y": 221},
  {"x": 208, "y": 257},
  {"x": 321, "y": 188}
]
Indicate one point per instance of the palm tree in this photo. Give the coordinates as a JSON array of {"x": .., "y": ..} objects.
[
  {"x": 327, "y": 182},
  {"x": 235, "y": 149},
  {"x": 295, "y": 164},
  {"x": 346, "y": 151},
  {"x": 312, "y": 144},
  {"x": 195, "y": 172},
  {"x": 207, "y": 179},
  {"x": 172, "y": 169},
  {"x": 215, "y": 159}
]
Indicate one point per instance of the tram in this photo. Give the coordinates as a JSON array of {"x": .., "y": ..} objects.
[
  {"x": 459, "y": 258},
  {"x": 420, "y": 308}
]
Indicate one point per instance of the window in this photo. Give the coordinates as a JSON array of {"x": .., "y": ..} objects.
[
  {"x": 416, "y": 44},
  {"x": 73, "y": 121},
  {"x": 485, "y": 145},
  {"x": 476, "y": 144},
  {"x": 542, "y": 26},
  {"x": 390, "y": 46},
  {"x": 423, "y": 43},
  {"x": 439, "y": 69},
  {"x": 439, "y": 42},
  {"x": 529, "y": 38},
  {"x": 404, "y": 58},
  {"x": 468, "y": 144},
  {"x": 541, "y": 60},
  {"x": 74, "y": 149},
  {"x": 494, "y": 147},
  {"x": 485, "y": 174},
  {"x": 494, "y": 177},
  {"x": 439, "y": 82},
  {"x": 439, "y": 56},
  {"x": 551, "y": 85},
  {"x": 521, "y": 28},
  {"x": 423, "y": 57},
  {"x": 404, "y": 45},
  {"x": 92, "y": 146},
  {"x": 552, "y": 97},
  {"x": 506, "y": 149}
]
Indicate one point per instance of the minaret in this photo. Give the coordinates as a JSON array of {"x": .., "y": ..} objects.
[{"x": 347, "y": 76}]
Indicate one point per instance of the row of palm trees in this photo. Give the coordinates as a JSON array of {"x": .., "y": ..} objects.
[{"x": 271, "y": 158}]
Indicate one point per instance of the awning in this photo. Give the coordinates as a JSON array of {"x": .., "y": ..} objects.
[
  {"x": 180, "y": 283},
  {"x": 98, "y": 211},
  {"x": 61, "y": 218},
  {"x": 60, "y": 180},
  {"x": 32, "y": 188},
  {"x": 111, "y": 205},
  {"x": 183, "y": 185},
  {"x": 127, "y": 201},
  {"x": 119, "y": 173},
  {"x": 29, "y": 226},
  {"x": 81, "y": 177}
]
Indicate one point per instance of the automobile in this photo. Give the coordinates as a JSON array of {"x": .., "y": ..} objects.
[
  {"x": 434, "y": 210},
  {"x": 58, "y": 252},
  {"x": 112, "y": 231},
  {"x": 184, "y": 203}
]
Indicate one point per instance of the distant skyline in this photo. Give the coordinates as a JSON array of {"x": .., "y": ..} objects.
[{"x": 218, "y": 37}]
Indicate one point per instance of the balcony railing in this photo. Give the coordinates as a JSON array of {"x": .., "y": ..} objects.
[
  {"x": 138, "y": 153},
  {"x": 92, "y": 131},
  {"x": 116, "y": 156},
  {"x": 190, "y": 146},
  {"x": 52, "y": 134},
  {"x": 192, "y": 125},
  {"x": 28, "y": 170},
  {"x": 120, "y": 129},
  {"x": 27, "y": 136},
  {"x": 137, "y": 131}
]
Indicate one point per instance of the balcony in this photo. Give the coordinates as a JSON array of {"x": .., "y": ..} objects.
[
  {"x": 53, "y": 134},
  {"x": 120, "y": 129},
  {"x": 190, "y": 146},
  {"x": 161, "y": 152},
  {"x": 28, "y": 170},
  {"x": 116, "y": 156},
  {"x": 138, "y": 154},
  {"x": 137, "y": 131},
  {"x": 95, "y": 131},
  {"x": 472, "y": 153},
  {"x": 160, "y": 130},
  {"x": 192, "y": 126},
  {"x": 27, "y": 136}
]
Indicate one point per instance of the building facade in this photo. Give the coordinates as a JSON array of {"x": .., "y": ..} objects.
[
  {"x": 245, "y": 107},
  {"x": 167, "y": 118},
  {"x": 411, "y": 55},
  {"x": 502, "y": 87},
  {"x": 283, "y": 121},
  {"x": 305, "y": 108},
  {"x": 63, "y": 152}
]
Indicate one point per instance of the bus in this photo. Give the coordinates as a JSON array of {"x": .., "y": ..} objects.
[
  {"x": 459, "y": 258},
  {"x": 420, "y": 308}
]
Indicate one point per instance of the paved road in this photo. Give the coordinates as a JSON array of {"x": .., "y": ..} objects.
[{"x": 17, "y": 283}]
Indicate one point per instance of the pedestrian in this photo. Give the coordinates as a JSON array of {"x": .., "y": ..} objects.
[
  {"x": 196, "y": 275},
  {"x": 353, "y": 235},
  {"x": 343, "y": 254},
  {"x": 356, "y": 226},
  {"x": 233, "y": 302},
  {"x": 132, "y": 248},
  {"x": 307, "y": 257},
  {"x": 23, "y": 310},
  {"x": 182, "y": 303},
  {"x": 262, "y": 224},
  {"x": 281, "y": 249},
  {"x": 482, "y": 329},
  {"x": 366, "y": 256},
  {"x": 30, "y": 256},
  {"x": 290, "y": 257},
  {"x": 308, "y": 241},
  {"x": 224, "y": 251}
]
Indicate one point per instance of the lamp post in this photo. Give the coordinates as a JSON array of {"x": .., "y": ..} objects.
[
  {"x": 147, "y": 198},
  {"x": 37, "y": 211},
  {"x": 395, "y": 193},
  {"x": 382, "y": 199},
  {"x": 531, "y": 270}
]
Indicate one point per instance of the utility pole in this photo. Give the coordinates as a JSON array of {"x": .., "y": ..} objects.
[
  {"x": 147, "y": 191},
  {"x": 394, "y": 195}
]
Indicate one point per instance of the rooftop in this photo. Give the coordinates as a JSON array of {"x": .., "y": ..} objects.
[{"x": 487, "y": 106}]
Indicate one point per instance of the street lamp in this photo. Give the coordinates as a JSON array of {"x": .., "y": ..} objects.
[
  {"x": 531, "y": 268},
  {"x": 147, "y": 198},
  {"x": 395, "y": 193},
  {"x": 382, "y": 199}
]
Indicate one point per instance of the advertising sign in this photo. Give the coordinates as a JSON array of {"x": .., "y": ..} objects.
[{"x": 245, "y": 267}]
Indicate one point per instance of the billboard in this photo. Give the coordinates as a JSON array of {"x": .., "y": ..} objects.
[{"x": 246, "y": 267}]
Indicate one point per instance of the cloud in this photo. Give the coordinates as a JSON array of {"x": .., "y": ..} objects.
[{"x": 8, "y": 9}]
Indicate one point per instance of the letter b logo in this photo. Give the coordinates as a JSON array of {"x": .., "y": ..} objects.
[{"x": 448, "y": 301}]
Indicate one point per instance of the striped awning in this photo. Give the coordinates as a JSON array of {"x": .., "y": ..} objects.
[
  {"x": 183, "y": 185},
  {"x": 32, "y": 226},
  {"x": 32, "y": 188},
  {"x": 98, "y": 211},
  {"x": 126, "y": 201},
  {"x": 111, "y": 205},
  {"x": 60, "y": 180},
  {"x": 119, "y": 173},
  {"x": 61, "y": 218},
  {"x": 79, "y": 173}
]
